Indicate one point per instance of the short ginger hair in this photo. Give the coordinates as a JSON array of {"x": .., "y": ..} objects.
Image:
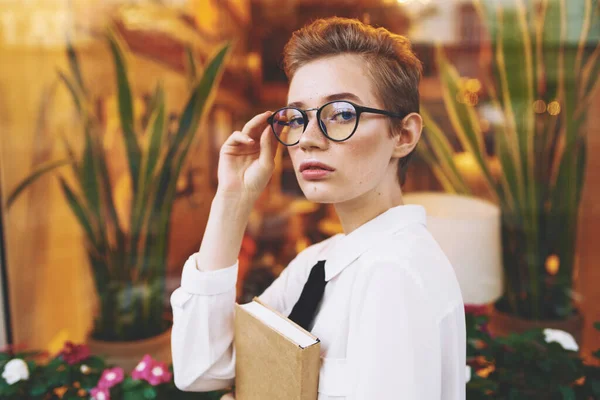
[{"x": 394, "y": 69}]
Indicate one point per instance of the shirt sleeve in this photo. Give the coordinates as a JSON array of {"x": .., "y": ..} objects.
[
  {"x": 203, "y": 327},
  {"x": 397, "y": 347},
  {"x": 202, "y": 334}
]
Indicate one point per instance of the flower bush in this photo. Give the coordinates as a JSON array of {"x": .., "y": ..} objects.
[
  {"x": 74, "y": 373},
  {"x": 535, "y": 365},
  {"x": 539, "y": 364}
]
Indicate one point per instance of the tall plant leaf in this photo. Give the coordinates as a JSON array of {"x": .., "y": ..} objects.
[
  {"x": 442, "y": 151},
  {"x": 74, "y": 66},
  {"x": 202, "y": 95},
  {"x": 126, "y": 111},
  {"x": 141, "y": 208},
  {"x": 88, "y": 176},
  {"x": 463, "y": 118},
  {"x": 30, "y": 179},
  {"x": 78, "y": 208},
  {"x": 192, "y": 71}
]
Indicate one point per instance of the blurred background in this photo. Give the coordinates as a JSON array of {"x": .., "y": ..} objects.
[{"x": 107, "y": 171}]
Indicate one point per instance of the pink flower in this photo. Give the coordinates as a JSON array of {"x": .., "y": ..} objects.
[
  {"x": 152, "y": 371},
  {"x": 476, "y": 309},
  {"x": 73, "y": 353},
  {"x": 110, "y": 377},
  {"x": 100, "y": 393},
  {"x": 142, "y": 370},
  {"x": 159, "y": 374}
]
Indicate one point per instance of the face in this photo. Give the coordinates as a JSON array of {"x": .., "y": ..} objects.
[{"x": 360, "y": 165}]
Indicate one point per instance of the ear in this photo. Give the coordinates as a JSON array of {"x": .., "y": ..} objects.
[{"x": 409, "y": 136}]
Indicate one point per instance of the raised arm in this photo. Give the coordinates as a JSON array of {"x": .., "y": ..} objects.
[{"x": 201, "y": 343}]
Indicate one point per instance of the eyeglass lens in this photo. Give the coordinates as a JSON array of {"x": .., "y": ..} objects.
[{"x": 337, "y": 121}]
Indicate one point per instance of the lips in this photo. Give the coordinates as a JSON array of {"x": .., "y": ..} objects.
[{"x": 315, "y": 165}]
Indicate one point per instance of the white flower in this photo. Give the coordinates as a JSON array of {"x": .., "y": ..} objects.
[
  {"x": 468, "y": 373},
  {"x": 85, "y": 369},
  {"x": 563, "y": 338},
  {"x": 15, "y": 370}
]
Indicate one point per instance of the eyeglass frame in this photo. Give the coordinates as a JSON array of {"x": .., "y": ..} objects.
[{"x": 359, "y": 111}]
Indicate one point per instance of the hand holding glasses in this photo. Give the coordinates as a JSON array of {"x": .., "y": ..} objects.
[{"x": 338, "y": 121}]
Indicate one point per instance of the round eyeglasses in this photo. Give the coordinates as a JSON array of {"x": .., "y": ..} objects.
[{"x": 338, "y": 121}]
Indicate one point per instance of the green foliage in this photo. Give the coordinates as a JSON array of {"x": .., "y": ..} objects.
[
  {"x": 53, "y": 378},
  {"x": 537, "y": 57},
  {"x": 519, "y": 366},
  {"x": 129, "y": 265},
  {"x": 525, "y": 366}
]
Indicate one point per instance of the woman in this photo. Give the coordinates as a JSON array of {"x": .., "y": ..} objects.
[{"x": 385, "y": 302}]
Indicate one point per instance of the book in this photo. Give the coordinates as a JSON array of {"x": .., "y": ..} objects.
[{"x": 276, "y": 359}]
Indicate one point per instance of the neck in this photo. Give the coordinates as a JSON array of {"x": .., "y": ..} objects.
[{"x": 362, "y": 209}]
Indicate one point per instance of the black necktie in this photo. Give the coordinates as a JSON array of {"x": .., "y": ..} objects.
[{"x": 305, "y": 308}]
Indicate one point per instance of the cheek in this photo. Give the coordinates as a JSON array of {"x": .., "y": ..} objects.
[{"x": 367, "y": 157}]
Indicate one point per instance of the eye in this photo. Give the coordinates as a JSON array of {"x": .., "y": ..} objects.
[
  {"x": 342, "y": 116},
  {"x": 296, "y": 122}
]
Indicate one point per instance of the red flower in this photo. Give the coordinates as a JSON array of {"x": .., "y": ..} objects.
[
  {"x": 100, "y": 394},
  {"x": 159, "y": 374},
  {"x": 142, "y": 370},
  {"x": 111, "y": 377},
  {"x": 476, "y": 309},
  {"x": 152, "y": 371},
  {"x": 74, "y": 353}
]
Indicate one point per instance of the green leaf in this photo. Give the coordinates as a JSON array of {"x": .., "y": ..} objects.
[
  {"x": 597, "y": 325},
  {"x": 79, "y": 210},
  {"x": 444, "y": 153},
  {"x": 131, "y": 384},
  {"x": 126, "y": 111},
  {"x": 463, "y": 117},
  {"x": 42, "y": 170},
  {"x": 567, "y": 393},
  {"x": 39, "y": 388},
  {"x": 171, "y": 164},
  {"x": 155, "y": 131},
  {"x": 88, "y": 174},
  {"x": 74, "y": 65},
  {"x": 96, "y": 363},
  {"x": 596, "y": 387},
  {"x": 137, "y": 394},
  {"x": 150, "y": 393},
  {"x": 191, "y": 65},
  {"x": 75, "y": 92}
]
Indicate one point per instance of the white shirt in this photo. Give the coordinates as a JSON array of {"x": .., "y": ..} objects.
[{"x": 391, "y": 324}]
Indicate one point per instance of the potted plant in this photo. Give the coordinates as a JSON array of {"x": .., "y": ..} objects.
[
  {"x": 128, "y": 265},
  {"x": 542, "y": 76}
]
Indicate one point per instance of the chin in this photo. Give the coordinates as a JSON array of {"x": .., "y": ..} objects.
[{"x": 320, "y": 192}]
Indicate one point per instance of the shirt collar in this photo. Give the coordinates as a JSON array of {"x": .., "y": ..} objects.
[{"x": 347, "y": 248}]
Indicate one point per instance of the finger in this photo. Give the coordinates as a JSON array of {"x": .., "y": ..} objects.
[
  {"x": 238, "y": 138},
  {"x": 268, "y": 146},
  {"x": 256, "y": 125},
  {"x": 227, "y": 396}
]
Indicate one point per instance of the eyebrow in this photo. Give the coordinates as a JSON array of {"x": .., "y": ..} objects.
[{"x": 331, "y": 97}]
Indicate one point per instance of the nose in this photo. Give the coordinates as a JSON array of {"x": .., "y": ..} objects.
[{"x": 312, "y": 137}]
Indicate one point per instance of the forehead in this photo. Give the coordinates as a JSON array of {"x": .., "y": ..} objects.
[{"x": 327, "y": 76}]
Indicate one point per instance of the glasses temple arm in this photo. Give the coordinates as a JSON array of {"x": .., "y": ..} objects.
[{"x": 381, "y": 112}]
